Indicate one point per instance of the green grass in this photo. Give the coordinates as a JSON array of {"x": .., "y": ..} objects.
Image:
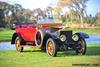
[
  {"x": 89, "y": 30},
  {"x": 86, "y": 30},
  {"x": 36, "y": 58},
  {"x": 6, "y": 34}
]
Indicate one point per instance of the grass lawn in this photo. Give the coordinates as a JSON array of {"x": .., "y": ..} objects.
[
  {"x": 36, "y": 58},
  {"x": 6, "y": 34},
  {"x": 86, "y": 30}
]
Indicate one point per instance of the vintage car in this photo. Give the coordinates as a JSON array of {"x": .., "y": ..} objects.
[{"x": 50, "y": 37}]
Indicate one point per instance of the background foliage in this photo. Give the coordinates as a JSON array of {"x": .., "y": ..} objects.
[{"x": 10, "y": 14}]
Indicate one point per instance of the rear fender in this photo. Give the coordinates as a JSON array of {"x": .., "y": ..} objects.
[{"x": 14, "y": 37}]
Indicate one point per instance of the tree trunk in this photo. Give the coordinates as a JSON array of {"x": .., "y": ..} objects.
[{"x": 81, "y": 20}]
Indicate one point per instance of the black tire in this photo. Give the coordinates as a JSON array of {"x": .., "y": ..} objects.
[
  {"x": 83, "y": 47},
  {"x": 19, "y": 48},
  {"x": 51, "y": 47}
]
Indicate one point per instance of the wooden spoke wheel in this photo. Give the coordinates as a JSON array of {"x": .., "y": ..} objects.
[
  {"x": 51, "y": 47},
  {"x": 19, "y": 48},
  {"x": 82, "y": 47}
]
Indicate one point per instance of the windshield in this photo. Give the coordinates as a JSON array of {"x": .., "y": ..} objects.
[
  {"x": 45, "y": 20},
  {"x": 29, "y": 21}
]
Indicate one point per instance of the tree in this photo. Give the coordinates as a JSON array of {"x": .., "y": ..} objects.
[
  {"x": 73, "y": 15},
  {"x": 63, "y": 3},
  {"x": 17, "y": 11},
  {"x": 11, "y": 13},
  {"x": 38, "y": 13},
  {"x": 98, "y": 15},
  {"x": 49, "y": 11},
  {"x": 76, "y": 5},
  {"x": 98, "y": 19},
  {"x": 2, "y": 24},
  {"x": 57, "y": 10},
  {"x": 3, "y": 11}
]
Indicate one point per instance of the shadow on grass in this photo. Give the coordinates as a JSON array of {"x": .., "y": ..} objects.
[
  {"x": 37, "y": 50},
  {"x": 91, "y": 51}
]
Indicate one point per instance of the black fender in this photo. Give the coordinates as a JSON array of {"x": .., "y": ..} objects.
[
  {"x": 47, "y": 36},
  {"x": 14, "y": 37},
  {"x": 53, "y": 35},
  {"x": 82, "y": 35}
]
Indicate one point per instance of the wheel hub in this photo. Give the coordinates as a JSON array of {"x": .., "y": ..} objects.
[
  {"x": 50, "y": 48},
  {"x": 18, "y": 44}
]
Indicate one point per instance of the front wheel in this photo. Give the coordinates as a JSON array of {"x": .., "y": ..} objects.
[
  {"x": 19, "y": 48},
  {"x": 82, "y": 47},
  {"x": 51, "y": 47}
]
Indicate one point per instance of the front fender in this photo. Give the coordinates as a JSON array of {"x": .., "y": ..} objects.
[
  {"x": 54, "y": 35},
  {"x": 47, "y": 36},
  {"x": 82, "y": 35}
]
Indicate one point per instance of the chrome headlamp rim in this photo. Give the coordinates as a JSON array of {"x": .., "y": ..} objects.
[
  {"x": 62, "y": 38},
  {"x": 75, "y": 37}
]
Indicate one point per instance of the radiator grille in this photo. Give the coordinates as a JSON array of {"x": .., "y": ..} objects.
[{"x": 68, "y": 35}]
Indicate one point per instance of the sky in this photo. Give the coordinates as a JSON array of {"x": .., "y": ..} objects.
[
  {"x": 93, "y": 6},
  {"x": 32, "y": 4}
]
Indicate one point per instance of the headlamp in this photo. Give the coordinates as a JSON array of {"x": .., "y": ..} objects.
[
  {"x": 75, "y": 37},
  {"x": 62, "y": 38}
]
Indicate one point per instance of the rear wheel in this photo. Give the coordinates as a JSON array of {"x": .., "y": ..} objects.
[
  {"x": 82, "y": 47},
  {"x": 51, "y": 47},
  {"x": 19, "y": 48}
]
